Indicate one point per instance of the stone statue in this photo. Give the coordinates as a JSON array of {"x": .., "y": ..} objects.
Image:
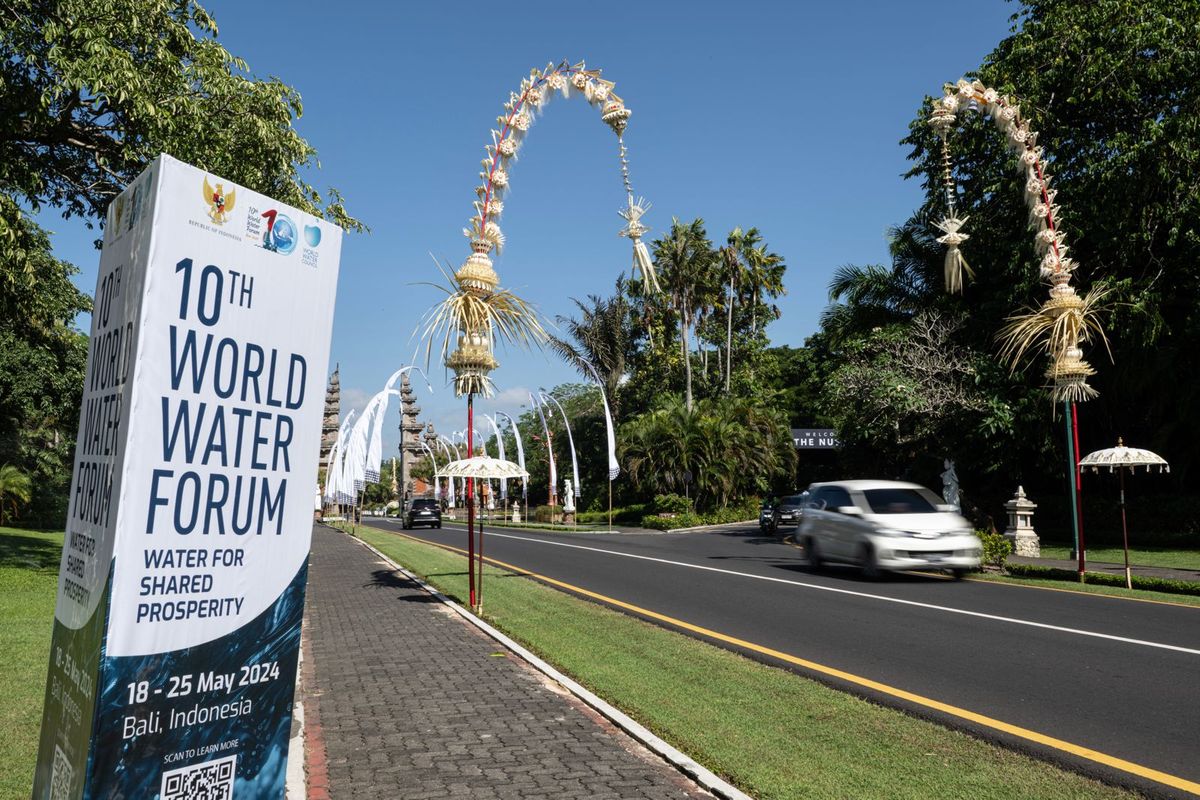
[
  {"x": 568, "y": 497},
  {"x": 950, "y": 485}
]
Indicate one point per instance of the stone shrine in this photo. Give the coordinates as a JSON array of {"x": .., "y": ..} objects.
[{"x": 1020, "y": 525}]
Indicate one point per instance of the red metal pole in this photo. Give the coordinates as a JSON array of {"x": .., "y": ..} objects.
[
  {"x": 1125, "y": 531},
  {"x": 479, "y": 583},
  {"x": 471, "y": 502},
  {"x": 1078, "y": 492}
]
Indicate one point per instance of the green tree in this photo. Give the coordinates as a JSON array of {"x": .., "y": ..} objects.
[
  {"x": 95, "y": 89},
  {"x": 754, "y": 275},
  {"x": 870, "y": 296},
  {"x": 730, "y": 447},
  {"x": 90, "y": 91},
  {"x": 42, "y": 361},
  {"x": 686, "y": 264},
  {"x": 1111, "y": 87},
  {"x": 908, "y": 391},
  {"x": 603, "y": 337},
  {"x": 15, "y": 489}
]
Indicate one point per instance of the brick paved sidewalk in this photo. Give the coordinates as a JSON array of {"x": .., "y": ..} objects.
[{"x": 404, "y": 699}]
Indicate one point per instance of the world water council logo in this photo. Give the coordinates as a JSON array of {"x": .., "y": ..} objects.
[
  {"x": 280, "y": 235},
  {"x": 312, "y": 237}
]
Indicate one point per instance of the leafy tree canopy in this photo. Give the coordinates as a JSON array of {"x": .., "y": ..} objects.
[
  {"x": 94, "y": 89},
  {"x": 1113, "y": 89},
  {"x": 90, "y": 91}
]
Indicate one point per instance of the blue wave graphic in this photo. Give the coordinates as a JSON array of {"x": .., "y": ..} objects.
[{"x": 132, "y": 767}]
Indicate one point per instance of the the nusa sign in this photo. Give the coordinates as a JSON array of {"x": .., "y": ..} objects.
[{"x": 814, "y": 438}]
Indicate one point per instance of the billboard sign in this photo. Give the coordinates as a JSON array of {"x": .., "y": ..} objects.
[
  {"x": 181, "y": 586},
  {"x": 814, "y": 438}
]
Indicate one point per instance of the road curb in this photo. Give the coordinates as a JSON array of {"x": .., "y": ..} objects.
[
  {"x": 711, "y": 525},
  {"x": 681, "y": 761}
]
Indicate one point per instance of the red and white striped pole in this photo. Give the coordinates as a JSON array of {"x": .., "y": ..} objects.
[{"x": 471, "y": 501}]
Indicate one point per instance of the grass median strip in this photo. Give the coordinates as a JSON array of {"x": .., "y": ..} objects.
[
  {"x": 1143, "y": 556},
  {"x": 28, "y": 582},
  {"x": 775, "y": 734},
  {"x": 1091, "y": 588}
]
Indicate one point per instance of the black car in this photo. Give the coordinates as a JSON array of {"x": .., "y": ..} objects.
[
  {"x": 785, "y": 511},
  {"x": 422, "y": 511}
]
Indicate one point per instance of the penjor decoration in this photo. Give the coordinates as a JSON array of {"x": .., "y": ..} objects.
[
  {"x": 1065, "y": 320},
  {"x": 476, "y": 312}
]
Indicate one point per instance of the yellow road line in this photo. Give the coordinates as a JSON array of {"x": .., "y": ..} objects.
[{"x": 1079, "y": 751}]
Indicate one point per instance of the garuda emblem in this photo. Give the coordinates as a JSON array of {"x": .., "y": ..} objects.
[{"x": 219, "y": 203}]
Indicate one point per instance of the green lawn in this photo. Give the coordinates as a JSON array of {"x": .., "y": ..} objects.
[
  {"x": 1090, "y": 588},
  {"x": 771, "y": 732},
  {"x": 1142, "y": 556},
  {"x": 28, "y": 580}
]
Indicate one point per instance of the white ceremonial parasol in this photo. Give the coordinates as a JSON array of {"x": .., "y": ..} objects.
[
  {"x": 484, "y": 467},
  {"x": 1119, "y": 458}
]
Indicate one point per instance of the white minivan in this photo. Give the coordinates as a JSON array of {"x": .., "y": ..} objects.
[{"x": 886, "y": 525}]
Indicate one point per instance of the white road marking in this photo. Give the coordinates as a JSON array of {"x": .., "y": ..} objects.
[{"x": 868, "y": 595}]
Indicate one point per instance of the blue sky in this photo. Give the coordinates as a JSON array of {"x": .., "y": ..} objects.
[{"x": 781, "y": 115}]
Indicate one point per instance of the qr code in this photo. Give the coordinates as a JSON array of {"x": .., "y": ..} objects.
[
  {"x": 61, "y": 776},
  {"x": 212, "y": 780}
]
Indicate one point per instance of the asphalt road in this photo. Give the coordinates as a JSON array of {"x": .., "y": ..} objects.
[{"x": 1115, "y": 676}]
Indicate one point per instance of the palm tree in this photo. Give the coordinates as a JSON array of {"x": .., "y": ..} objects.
[
  {"x": 764, "y": 279},
  {"x": 754, "y": 273},
  {"x": 15, "y": 488},
  {"x": 875, "y": 295},
  {"x": 731, "y": 260},
  {"x": 603, "y": 337},
  {"x": 731, "y": 447},
  {"x": 686, "y": 265}
]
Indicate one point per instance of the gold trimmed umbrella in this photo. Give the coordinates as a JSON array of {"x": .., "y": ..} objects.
[
  {"x": 1120, "y": 458},
  {"x": 484, "y": 467}
]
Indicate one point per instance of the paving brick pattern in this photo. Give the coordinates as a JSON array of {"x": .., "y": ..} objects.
[{"x": 409, "y": 701}]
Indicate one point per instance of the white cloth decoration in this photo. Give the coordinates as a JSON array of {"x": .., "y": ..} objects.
[
  {"x": 520, "y": 452},
  {"x": 570, "y": 438},
  {"x": 614, "y": 467},
  {"x": 549, "y": 439}
]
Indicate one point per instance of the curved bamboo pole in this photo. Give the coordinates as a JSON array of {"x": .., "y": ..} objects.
[{"x": 1065, "y": 320}]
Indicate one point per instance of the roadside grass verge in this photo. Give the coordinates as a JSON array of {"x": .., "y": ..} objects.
[
  {"x": 1141, "y": 556},
  {"x": 1043, "y": 578},
  {"x": 533, "y": 526},
  {"x": 772, "y": 732},
  {"x": 28, "y": 583}
]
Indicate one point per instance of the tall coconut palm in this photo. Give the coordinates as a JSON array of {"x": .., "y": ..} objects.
[
  {"x": 603, "y": 336},
  {"x": 753, "y": 274},
  {"x": 731, "y": 256},
  {"x": 764, "y": 280},
  {"x": 686, "y": 264},
  {"x": 15, "y": 489}
]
